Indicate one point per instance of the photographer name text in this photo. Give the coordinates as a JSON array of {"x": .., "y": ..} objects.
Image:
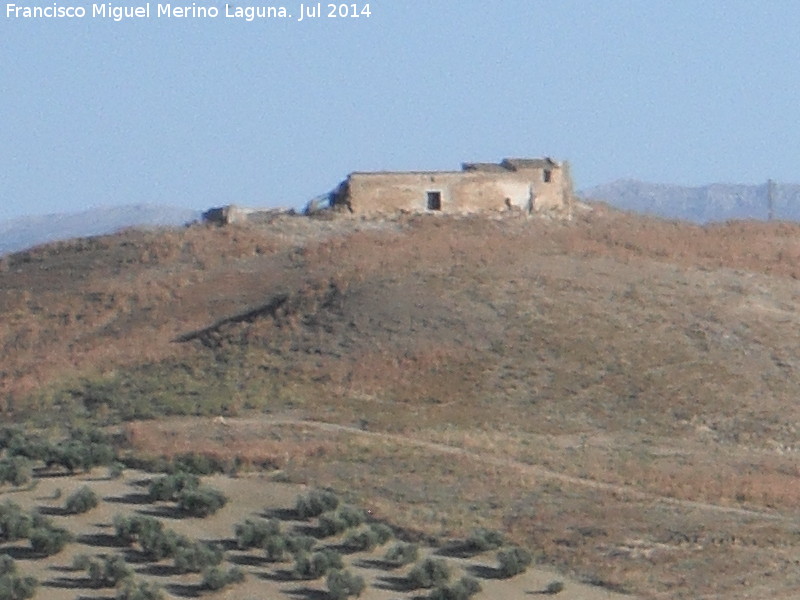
[{"x": 117, "y": 12}]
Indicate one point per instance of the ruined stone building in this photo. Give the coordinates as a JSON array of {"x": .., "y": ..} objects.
[{"x": 538, "y": 185}]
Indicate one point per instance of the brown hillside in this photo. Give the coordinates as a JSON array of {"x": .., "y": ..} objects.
[{"x": 616, "y": 391}]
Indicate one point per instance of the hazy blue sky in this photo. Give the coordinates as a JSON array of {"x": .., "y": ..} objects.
[{"x": 199, "y": 112}]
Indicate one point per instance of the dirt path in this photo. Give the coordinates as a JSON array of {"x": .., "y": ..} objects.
[{"x": 629, "y": 492}]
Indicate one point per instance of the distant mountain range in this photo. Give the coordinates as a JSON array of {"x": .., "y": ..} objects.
[
  {"x": 24, "y": 232},
  {"x": 716, "y": 202}
]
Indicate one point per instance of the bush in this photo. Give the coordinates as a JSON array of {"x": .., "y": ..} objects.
[
  {"x": 315, "y": 503},
  {"x": 216, "y": 578},
  {"x": 299, "y": 543},
  {"x": 253, "y": 533},
  {"x": 481, "y": 540},
  {"x": 343, "y": 584},
  {"x": 346, "y": 517},
  {"x": 83, "y": 500},
  {"x": 14, "y": 523},
  {"x": 275, "y": 548},
  {"x": 131, "y": 529},
  {"x": 49, "y": 540},
  {"x": 402, "y": 553},
  {"x": 361, "y": 540},
  {"x": 463, "y": 589},
  {"x": 27, "y": 447},
  {"x": 195, "y": 557},
  {"x": 431, "y": 572},
  {"x": 79, "y": 453},
  {"x": 7, "y": 565},
  {"x": 513, "y": 561},
  {"x": 159, "y": 544},
  {"x": 80, "y": 562},
  {"x": 12, "y": 585},
  {"x": 169, "y": 487},
  {"x": 316, "y": 565},
  {"x": 116, "y": 470},
  {"x": 201, "y": 502},
  {"x": 383, "y": 532},
  {"x": 199, "y": 464},
  {"x": 8, "y": 435},
  {"x": 16, "y": 470},
  {"x": 554, "y": 587},
  {"x": 108, "y": 572},
  {"x": 130, "y": 589}
]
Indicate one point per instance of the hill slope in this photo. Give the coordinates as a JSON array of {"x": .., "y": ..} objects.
[{"x": 618, "y": 392}]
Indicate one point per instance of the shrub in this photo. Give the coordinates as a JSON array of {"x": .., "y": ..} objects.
[
  {"x": 201, "y": 502},
  {"x": 216, "y": 578},
  {"x": 402, "y": 553},
  {"x": 8, "y": 435},
  {"x": 199, "y": 464},
  {"x": 78, "y": 453},
  {"x": 481, "y": 540},
  {"x": 108, "y": 572},
  {"x": 14, "y": 523},
  {"x": 343, "y": 584},
  {"x": 554, "y": 587},
  {"x": 159, "y": 544},
  {"x": 334, "y": 523},
  {"x": 83, "y": 500},
  {"x": 367, "y": 539},
  {"x": 316, "y": 565},
  {"x": 16, "y": 470},
  {"x": 80, "y": 562},
  {"x": 299, "y": 543},
  {"x": 27, "y": 447},
  {"x": 12, "y": 585},
  {"x": 131, "y": 529},
  {"x": 169, "y": 487},
  {"x": 513, "y": 561},
  {"x": 130, "y": 589},
  {"x": 351, "y": 515},
  {"x": 431, "y": 572},
  {"x": 49, "y": 540},
  {"x": 361, "y": 540},
  {"x": 331, "y": 524},
  {"x": 7, "y": 565},
  {"x": 383, "y": 532},
  {"x": 116, "y": 470},
  {"x": 275, "y": 548},
  {"x": 195, "y": 557},
  {"x": 315, "y": 503},
  {"x": 463, "y": 589},
  {"x": 253, "y": 533}
]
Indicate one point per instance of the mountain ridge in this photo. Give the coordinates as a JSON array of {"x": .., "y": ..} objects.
[
  {"x": 24, "y": 232},
  {"x": 700, "y": 204}
]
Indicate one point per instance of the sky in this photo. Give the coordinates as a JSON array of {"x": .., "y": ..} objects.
[{"x": 200, "y": 112}]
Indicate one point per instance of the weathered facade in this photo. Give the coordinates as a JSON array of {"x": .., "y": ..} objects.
[{"x": 530, "y": 185}]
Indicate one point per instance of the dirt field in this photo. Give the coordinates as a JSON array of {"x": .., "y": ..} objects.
[{"x": 257, "y": 495}]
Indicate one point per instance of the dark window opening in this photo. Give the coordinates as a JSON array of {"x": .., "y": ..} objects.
[
  {"x": 547, "y": 175},
  {"x": 434, "y": 200}
]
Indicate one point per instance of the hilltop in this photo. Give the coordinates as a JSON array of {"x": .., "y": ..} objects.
[{"x": 617, "y": 392}]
